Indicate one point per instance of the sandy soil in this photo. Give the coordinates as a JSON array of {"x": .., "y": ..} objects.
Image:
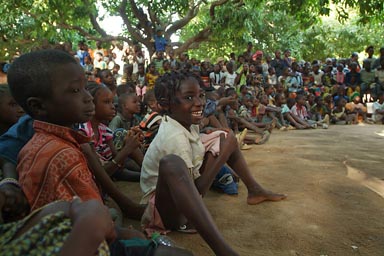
[{"x": 327, "y": 212}]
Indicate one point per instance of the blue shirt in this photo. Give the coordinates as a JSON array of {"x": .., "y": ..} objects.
[{"x": 15, "y": 138}]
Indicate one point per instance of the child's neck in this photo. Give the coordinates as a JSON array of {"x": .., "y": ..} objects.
[{"x": 127, "y": 115}]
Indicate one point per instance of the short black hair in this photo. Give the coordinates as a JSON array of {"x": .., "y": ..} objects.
[
  {"x": 167, "y": 85},
  {"x": 31, "y": 74}
]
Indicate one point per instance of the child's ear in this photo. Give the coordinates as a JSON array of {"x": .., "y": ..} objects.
[
  {"x": 163, "y": 103},
  {"x": 36, "y": 107}
]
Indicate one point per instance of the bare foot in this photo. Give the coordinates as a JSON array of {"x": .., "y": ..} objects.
[{"x": 265, "y": 196}]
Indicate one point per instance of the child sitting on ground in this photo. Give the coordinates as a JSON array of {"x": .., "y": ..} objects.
[
  {"x": 151, "y": 76},
  {"x": 102, "y": 136},
  {"x": 151, "y": 121},
  {"x": 355, "y": 107},
  {"x": 127, "y": 109},
  {"x": 178, "y": 168},
  {"x": 339, "y": 114},
  {"x": 10, "y": 111},
  {"x": 320, "y": 113},
  {"x": 301, "y": 111},
  {"x": 236, "y": 122},
  {"x": 141, "y": 87},
  {"x": 292, "y": 119},
  {"x": 50, "y": 86},
  {"x": 378, "y": 109}
]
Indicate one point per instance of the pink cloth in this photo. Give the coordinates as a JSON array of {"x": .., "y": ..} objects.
[
  {"x": 211, "y": 141},
  {"x": 151, "y": 220}
]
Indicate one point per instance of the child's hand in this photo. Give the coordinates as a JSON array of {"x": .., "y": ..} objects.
[
  {"x": 132, "y": 140},
  {"x": 95, "y": 214}
]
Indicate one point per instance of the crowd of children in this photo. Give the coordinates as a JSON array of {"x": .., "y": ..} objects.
[{"x": 170, "y": 125}]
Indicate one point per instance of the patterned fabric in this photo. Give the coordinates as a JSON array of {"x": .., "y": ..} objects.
[
  {"x": 45, "y": 238},
  {"x": 300, "y": 111},
  {"x": 151, "y": 79},
  {"x": 100, "y": 144},
  {"x": 150, "y": 126},
  {"x": 52, "y": 167}
]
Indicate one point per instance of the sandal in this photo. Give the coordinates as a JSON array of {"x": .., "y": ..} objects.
[{"x": 186, "y": 230}]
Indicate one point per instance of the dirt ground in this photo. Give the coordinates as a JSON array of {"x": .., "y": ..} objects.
[{"x": 329, "y": 209}]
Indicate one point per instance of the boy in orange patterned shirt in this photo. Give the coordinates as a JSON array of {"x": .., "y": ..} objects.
[{"x": 50, "y": 86}]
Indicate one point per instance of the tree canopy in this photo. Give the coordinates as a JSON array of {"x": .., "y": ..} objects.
[{"x": 205, "y": 25}]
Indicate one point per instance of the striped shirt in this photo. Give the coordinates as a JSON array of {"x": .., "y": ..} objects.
[{"x": 101, "y": 143}]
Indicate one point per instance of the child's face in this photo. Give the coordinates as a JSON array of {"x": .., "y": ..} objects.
[
  {"x": 107, "y": 78},
  {"x": 264, "y": 100},
  {"x": 301, "y": 100},
  {"x": 356, "y": 99},
  {"x": 140, "y": 69},
  {"x": 70, "y": 102},
  {"x": 105, "y": 110},
  {"x": 340, "y": 68},
  {"x": 132, "y": 105},
  {"x": 187, "y": 108},
  {"x": 315, "y": 69},
  {"x": 281, "y": 100},
  {"x": 10, "y": 111}
]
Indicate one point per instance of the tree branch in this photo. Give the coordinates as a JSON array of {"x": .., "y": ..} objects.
[
  {"x": 182, "y": 22},
  {"x": 143, "y": 19},
  {"x": 213, "y": 6},
  {"x": 130, "y": 29},
  {"x": 152, "y": 15},
  {"x": 202, "y": 36}
]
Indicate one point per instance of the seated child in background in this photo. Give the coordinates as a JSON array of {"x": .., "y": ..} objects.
[
  {"x": 352, "y": 79},
  {"x": 236, "y": 122},
  {"x": 379, "y": 77},
  {"x": 293, "y": 121},
  {"x": 320, "y": 112},
  {"x": 10, "y": 111},
  {"x": 339, "y": 76},
  {"x": 317, "y": 79},
  {"x": 271, "y": 114},
  {"x": 272, "y": 78},
  {"x": 378, "y": 109},
  {"x": 102, "y": 136},
  {"x": 368, "y": 84},
  {"x": 289, "y": 117},
  {"x": 151, "y": 121},
  {"x": 339, "y": 114},
  {"x": 355, "y": 107},
  {"x": 127, "y": 109},
  {"x": 178, "y": 168},
  {"x": 307, "y": 78},
  {"x": 327, "y": 79},
  {"x": 151, "y": 76},
  {"x": 141, "y": 87}
]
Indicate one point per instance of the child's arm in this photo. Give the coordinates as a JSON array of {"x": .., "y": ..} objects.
[{"x": 130, "y": 208}]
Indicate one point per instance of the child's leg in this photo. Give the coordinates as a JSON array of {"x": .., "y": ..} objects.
[
  {"x": 126, "y": 175},
  {"x": 138, "y": 156},
  {"x": 292, "y": 121},
  {"x": 177, "y": 195},
  {"x": 232, "y": 155}
]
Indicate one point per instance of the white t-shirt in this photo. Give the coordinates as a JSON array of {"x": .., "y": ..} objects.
[
  {"x": 216, "y": 77},
  {"x": 377, "y": 106},
  {"x": 379, "y": 73},
  {"x": 172, "y": 138},
  {"x": 230, "y": 78},
  {"x": 317, "y": 77}
]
